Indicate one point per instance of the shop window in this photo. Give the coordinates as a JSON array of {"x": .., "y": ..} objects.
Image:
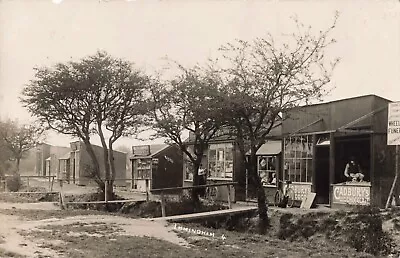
[
  {"x": 267, "y": 169},
  {"x": 143, "y": 168},
  {"x": 220, "y": 161},
  {"x": 298, "y": 157}
]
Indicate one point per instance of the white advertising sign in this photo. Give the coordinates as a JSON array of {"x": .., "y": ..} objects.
[{"x": 393, "y": 133}]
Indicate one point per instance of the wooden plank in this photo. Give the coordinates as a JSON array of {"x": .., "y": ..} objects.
[
  {"x": 104, "y": 202},
  {"x": 308, "y": 201},
  {"x": 191, "y": 187},
  {"x": 202, "y": 215}
]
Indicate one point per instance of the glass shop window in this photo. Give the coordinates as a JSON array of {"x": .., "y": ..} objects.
[
  {"x": 267, "y": 169},
  {"x": 298, "y": 157},
  {"x": 143, "y": 168},
  {"x": 220, "y": 161}
]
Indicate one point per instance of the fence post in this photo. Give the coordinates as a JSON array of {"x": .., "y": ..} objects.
[
  {"x": 105, "y": 191},
  {"x": 147, "y": 189},
  {"x": 229, "y": 197},
  {"x": 62, "y": 203},
  {"x": 162, "y": 204},
  {"x": 5, "y": 184},
  {"x": 28, "y": 182},
  {"x": 52, "y": 183}
]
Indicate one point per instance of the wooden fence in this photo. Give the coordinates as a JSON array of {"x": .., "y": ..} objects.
[{"x": 163, "y": 191}]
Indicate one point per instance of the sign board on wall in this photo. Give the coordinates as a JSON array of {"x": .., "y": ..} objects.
[
  {"x": 351, "y": 194},
  {"x": 143, "y": 150},
  {"x": 393, "y": 133}
]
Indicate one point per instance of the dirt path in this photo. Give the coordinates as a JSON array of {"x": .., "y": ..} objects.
[
  {"x": 13, "y": 241},
  {"x": 29, "y": 206}
]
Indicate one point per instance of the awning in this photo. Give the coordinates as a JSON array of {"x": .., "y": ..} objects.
[
  {"x": 270, "y": 148},
  {"x": 323, "y": 143}
]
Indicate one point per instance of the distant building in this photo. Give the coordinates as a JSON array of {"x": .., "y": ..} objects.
[
  {"x": 47, "y": 159},
  {"x": 76, "y": 165}
]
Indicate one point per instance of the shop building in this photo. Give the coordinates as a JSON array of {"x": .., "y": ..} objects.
[
  {"x": 158, "y": 166},
  {"x": 224, "y": 163},
  {"x": 319, "y": 141}
]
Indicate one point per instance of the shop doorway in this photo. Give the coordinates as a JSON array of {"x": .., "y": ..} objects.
[
  {"x": 358, "y": 147},
  {"x": 322, "y": 174}
]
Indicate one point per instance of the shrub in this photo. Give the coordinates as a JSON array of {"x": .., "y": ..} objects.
[
  {"x": 364, "y": 232},
  {"x": 14, "y": 182}
]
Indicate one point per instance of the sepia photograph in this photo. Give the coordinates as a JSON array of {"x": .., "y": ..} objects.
[{"x": 199, "y": 128}]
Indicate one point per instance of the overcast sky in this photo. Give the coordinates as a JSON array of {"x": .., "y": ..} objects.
[{"x": 42, "y": 32}]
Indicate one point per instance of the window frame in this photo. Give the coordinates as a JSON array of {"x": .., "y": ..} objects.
[{"x": 298, "y": 158}]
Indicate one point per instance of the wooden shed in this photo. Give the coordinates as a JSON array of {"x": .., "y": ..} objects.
[
  {"x": 318, "y": 141},
  {"x": 160, "y": 166}
]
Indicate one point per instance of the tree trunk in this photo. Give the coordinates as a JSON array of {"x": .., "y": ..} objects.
[
  {"x": 112, "y": 166},
  {"x": 196, "y": 180},
  {"x": 95, "y": 163},
  {"x": 261, "y": 199},
  {"x": 18, "y": 163},
  {"x": 107, "y": 173},
  {"x": 111, "y": 160}
]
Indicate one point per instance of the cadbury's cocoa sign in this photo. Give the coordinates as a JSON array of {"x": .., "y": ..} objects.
[{"x": 350, "y": 194}]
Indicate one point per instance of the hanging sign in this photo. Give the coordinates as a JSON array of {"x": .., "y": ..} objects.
[{"x": 393, "y": 133}]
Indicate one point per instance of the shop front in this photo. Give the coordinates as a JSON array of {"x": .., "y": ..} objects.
[
  {"x": 219, "y": 160},
  {"x": 224, "y": 164},
  {"x": 268, "y": 167},
  {"x": 338, "y": 150}
]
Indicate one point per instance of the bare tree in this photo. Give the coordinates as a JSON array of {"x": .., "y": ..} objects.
[
  {"x": 187, "y": 103},
  {"x": 264, "y": 79},
  {"x": 97, "y": 95},
  {"x": 18, "y": 139}
]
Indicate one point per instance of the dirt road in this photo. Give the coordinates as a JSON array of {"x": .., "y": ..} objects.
[{"x": 14, "y": 231}]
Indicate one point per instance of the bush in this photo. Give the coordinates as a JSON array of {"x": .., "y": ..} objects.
[
  {"x": 14, "y": 182},
  {"x": 364, "y": 232}
]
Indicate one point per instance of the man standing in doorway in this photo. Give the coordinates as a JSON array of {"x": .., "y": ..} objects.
[{"x": 353, "y": 170}]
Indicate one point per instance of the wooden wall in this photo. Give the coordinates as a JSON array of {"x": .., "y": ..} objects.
[
  {"x": 334, "y": 114},
  {"x": 168, "y": 174},
  {"x": 85, "y": 163}
]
